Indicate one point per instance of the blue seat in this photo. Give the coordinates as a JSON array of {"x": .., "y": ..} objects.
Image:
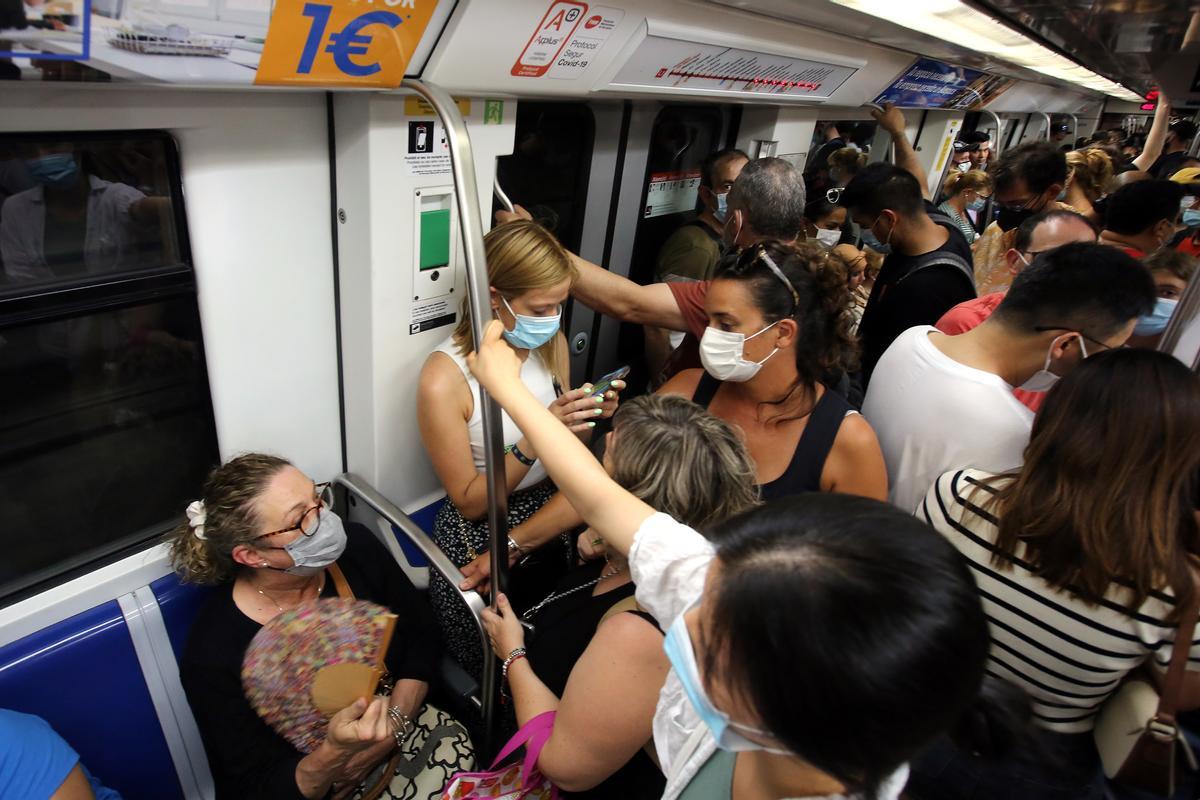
[
  {"x": 82, "y": 676},
  {"x": 179, "y": 603}
]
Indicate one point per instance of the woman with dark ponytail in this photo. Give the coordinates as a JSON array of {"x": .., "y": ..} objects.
[{"x": 778, "y": 338}]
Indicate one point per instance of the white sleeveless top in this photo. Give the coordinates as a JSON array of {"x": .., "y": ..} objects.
[{"x": 536, "y": 378}]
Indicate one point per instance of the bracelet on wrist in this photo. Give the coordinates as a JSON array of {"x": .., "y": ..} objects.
[
  {"x": 519, "y": 456},
  {"x": 515, "y": 547},
  {"x": 400, "y": 723},
  {"x": 516, "y": 655}
]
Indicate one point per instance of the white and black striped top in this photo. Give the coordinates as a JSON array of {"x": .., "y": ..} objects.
[{"x": 1069, "y": 655}]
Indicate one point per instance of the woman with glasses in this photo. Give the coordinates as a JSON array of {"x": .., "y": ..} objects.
[
  {"x": 1081, "y": 559},
  {"x": 966, "y": 190},
  {"x": 815, "y": 646},
  {"x": 778, "y": 335},
  {"x": 265, "y": 536},
  {"x": 530, "y": 275}
]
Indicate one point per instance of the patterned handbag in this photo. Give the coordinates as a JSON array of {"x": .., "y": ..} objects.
[{"x": 518, "y": 781}]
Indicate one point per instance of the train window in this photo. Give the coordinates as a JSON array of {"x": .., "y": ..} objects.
[
  {"x": 106, "y": 423},
  {"x": 548, "y": 170}
]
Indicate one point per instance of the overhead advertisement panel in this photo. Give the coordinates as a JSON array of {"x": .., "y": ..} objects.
[
  {"x": 934, "y": 84},
  {"x": 318, "y": 43},
  {"x": 665, "y": 64}
]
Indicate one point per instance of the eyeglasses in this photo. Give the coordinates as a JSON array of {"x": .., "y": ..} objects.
[
  {"x": 310, "y": 520},
  {"x": 1021, "y": 206},
  {"x": 1048, "y": 328}
]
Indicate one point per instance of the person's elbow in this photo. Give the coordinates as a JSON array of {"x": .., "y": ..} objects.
[{"x": 472, "y": 509}]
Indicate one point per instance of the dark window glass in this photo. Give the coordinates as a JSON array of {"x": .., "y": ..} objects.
[{"x": 106, "y": 424}]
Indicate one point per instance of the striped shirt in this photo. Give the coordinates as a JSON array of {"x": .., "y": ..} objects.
[{"x": 1067, "y": 654}]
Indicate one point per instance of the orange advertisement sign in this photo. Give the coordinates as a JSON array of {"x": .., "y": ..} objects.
[{"x": 342, "y": 42}]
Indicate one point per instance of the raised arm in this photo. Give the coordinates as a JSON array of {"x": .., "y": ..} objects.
[
  {"x": 891, "y": 119},
  {"x": 616, "y": 296},
  {"x": 612, "y": 512},
  {"x": 1156, "y": 136}
]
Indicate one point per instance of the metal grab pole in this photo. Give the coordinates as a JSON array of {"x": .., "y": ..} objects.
[
  {"x": 470, "y": 217},
  {"x": 997, "y": 145},
  {"x": 1049, "y": 122}
]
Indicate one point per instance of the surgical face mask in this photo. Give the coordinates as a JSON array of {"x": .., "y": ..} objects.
[
  {"x": 836, "y": 176},
  {"x": 1187, "y": 202},
  {"x": 1044, "y": 379},
  {"x": 721, "y": 353},
  {"x": 870, "y": 241},
  {"x": 827, "y": 237},
  {"x": 977, "y": 204},
  {"x": 531, "y": 333},
  {"x": 722, "y": 209},
  {"x": 871, "y": 229},
  {"x": 963, "y": 166},
  {"x": 1156, "y": 321},
  {"x": 57, "y": 170},
  {"x": 678, "y": 646},
  {"x": 311, "y": 554}
]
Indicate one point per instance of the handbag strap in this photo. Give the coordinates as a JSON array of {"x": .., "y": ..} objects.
[
  {"x": 339, "y": 580},
  {"x": 1172, "y": 686}
]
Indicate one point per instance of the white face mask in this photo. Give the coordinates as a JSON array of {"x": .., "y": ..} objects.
[
  {"x": 828, "y": 238},
  {"x": 721, "y": 354},
  {"x": 1044, "y": 379}
]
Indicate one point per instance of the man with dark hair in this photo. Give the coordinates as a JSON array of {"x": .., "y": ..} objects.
[
  {"x": 938, "y": 402},
  {"x": 1180, "y": 134},
  {"x": 928, "y": 268},
  {"x": 980, "y": 147},
  {"x": 1028, "y": 180},
  {"x": 1143, "y": 217}
]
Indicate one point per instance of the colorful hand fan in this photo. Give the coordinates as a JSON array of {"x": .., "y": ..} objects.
[{"x": 311, "y": 661}]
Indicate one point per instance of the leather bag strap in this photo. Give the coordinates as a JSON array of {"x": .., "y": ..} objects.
[{"x": 1172, "y": 686}]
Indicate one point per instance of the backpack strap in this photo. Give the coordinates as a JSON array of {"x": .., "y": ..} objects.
[{"x": 942, "y": 258}]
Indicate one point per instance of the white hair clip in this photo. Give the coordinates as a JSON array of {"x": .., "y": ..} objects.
[{"x": 196, "y": 518}]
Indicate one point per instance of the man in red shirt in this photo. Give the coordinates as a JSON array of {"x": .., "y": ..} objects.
[{"x": 1035, "y": 235}]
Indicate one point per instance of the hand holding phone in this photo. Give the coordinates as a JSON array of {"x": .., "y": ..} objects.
[{"x": 601, "y": 386}]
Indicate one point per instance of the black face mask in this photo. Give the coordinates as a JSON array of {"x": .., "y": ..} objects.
[{"x": 1009, "y": 218}]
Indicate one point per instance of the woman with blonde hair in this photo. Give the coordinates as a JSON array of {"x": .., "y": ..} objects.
[
  {"x": 529, "y": 276},
  {"x": 595, "y": 657},
  {"x": 844, "y": 164},
  {"x": 1087, "y": 181},
  {"x": 966, "y": 190}
]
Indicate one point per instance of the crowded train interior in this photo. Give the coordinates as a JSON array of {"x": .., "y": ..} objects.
[{"x": 502, "y": 399}]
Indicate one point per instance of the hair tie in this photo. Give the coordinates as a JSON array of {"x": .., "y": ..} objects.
[{"x": 196, "y": 518}]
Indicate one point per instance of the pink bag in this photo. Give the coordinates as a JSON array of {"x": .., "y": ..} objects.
[{"x": 515, "y": 782}]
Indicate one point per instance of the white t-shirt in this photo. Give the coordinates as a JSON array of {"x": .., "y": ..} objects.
[
  {"x": 668, "y": 562},
  {"x": 933, "y": 414}
]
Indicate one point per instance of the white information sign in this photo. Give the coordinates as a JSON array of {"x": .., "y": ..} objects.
[
  {"x": 581, "y": 50},
  {"x": 671, "y": 192},
  {"x": 428, "y": 151},
  {"x": 663, "y": 63}
]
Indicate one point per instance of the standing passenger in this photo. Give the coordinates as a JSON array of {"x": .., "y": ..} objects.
[
  {"x": 1143, "y": 217},
  {"x": 788, "y": 636},
  {"x": 1091, "y": 171},
  {"x": 966, "y": 190},
  {"x": 1028, "y": 180},
  {"x": 1081, "y": 559},
  {"x": 529, "y": 275},
  {"x": 940, "y": 401},
  {"x": 1180, "y": 134}
]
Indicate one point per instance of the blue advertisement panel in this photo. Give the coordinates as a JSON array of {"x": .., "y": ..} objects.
[{"x": 934, "y": 84}]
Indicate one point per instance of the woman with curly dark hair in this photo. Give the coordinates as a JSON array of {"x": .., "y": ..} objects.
[{"x": 778, "y": 326}]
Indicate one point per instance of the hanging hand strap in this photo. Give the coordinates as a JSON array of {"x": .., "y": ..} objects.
[{"x": 1172, "y": 686}]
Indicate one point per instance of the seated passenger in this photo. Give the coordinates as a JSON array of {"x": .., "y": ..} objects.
[
  {"x": 37, "y": 764},
  {"x": 777, "y": 326},
  {"x": 1035, "y": 236},
  {"x": 966, "y": 191},
  {"x": 264, "y": 534},
  {"x": 530, "y": 275},
  {"x": 788, "y": 635},
  {"x": 823, "y": 221},
  {"x": 943, "y": 401},
  {"x": 597, "y": 651},
  {"x": 1028, "y": 180},
  {"x": 1090, "y": 171},
  {"x": 1143, "y": 216},
  {"x": 1081, "y": 559}
]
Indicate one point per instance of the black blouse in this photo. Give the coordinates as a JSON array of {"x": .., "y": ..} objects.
[
  {"x": 562, "y": 631},
  {"x": 248, "y": 758}
]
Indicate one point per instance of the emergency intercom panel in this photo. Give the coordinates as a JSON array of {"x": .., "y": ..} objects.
[{"x": 435, "y": 245}]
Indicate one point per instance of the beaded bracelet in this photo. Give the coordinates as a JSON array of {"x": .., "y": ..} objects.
[{"x": 515, "y": 655}]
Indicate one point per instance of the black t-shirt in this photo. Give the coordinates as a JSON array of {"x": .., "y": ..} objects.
[
  {"x": 900, "y": 301},
  {"x": 247, "y": 757},
  {"x": 1168, "y": 164}
]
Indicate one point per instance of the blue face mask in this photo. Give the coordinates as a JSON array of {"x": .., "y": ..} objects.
[
  {"x": 872, "y": 242},
  {"x": 1156, "y": 321},
  {"x": 722, "y": 210},
  {"x": 1191, "y": 217},
  {"x": 977, "y": 204},
  {"x": 678, "y": 646},
  {"x": 57, "y": 170},
  {"x": 531, "y": 333}
]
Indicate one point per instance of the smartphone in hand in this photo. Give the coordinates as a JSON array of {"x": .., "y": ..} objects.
[{"x": 601, "y": 386}]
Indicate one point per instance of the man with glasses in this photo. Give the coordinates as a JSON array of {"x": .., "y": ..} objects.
[
  {"x": 1035, "y": 236},
  {"x": 1028, "y": 180},
  {"x": 940, "y": 402}
]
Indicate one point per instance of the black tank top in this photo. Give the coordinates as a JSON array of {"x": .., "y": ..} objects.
[{"x": 803, "y": 474}]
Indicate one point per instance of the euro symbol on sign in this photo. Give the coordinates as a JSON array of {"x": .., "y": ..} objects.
[{"x": 350, "y": 42}]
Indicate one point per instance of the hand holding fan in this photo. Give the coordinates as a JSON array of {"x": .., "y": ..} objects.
[{"x": 312, "y": 661}]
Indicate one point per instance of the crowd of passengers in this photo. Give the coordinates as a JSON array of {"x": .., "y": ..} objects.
[{"x": 913, "y": 494}]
